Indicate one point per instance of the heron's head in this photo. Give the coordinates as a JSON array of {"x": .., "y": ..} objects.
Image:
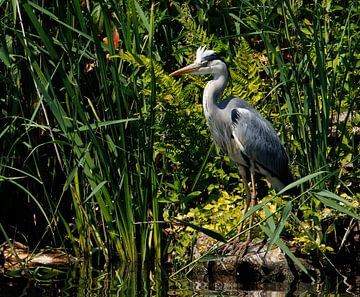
[{"x": 207, "y": 61}]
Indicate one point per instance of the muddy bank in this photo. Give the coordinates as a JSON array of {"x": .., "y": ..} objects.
[{"x": 17, "y": 256}]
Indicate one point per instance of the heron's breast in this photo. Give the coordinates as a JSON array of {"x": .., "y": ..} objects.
[
  {"x": 227, "y": 142},
  {"x": 236, "y": 151},
  {"x": 219, "y": 134}
]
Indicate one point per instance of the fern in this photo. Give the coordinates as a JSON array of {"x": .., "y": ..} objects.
[
  {"x": 246, "y": 80},
  {"x": 167, "y": 85}
]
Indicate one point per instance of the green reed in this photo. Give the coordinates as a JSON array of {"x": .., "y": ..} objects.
[{"x": 99, "y": 141}]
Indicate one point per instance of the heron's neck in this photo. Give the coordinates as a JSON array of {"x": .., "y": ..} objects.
[{"x": 212, "y": 93}]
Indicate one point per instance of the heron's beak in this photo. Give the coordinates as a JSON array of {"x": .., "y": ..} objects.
[{"x": 187, "y": 69}]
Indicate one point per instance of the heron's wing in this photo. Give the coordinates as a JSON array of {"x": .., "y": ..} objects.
[{"x": 259, "y": 142}]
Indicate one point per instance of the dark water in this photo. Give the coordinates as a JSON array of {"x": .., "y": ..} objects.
[{"x": 127, "y": 281}]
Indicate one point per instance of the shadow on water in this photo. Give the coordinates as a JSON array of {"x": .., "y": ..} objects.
[
  {"x": 84, "y": 280},
  {"x": 128, "y": 280}
]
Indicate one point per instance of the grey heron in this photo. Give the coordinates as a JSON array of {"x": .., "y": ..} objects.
[{"x": 239, "y": 130}]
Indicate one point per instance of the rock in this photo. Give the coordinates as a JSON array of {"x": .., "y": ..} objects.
[{"x": 257, "y": 265}]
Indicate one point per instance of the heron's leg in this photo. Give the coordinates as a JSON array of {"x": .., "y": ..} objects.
[
  {"x": 236, "y": 248},
  {"x": 253, "y": 201},
  {"x": 242, "y": 171}
]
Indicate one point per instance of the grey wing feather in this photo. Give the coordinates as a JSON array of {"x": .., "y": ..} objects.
[{"x": 259, "y": 140}]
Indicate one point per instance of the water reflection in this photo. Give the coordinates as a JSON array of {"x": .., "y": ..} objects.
[
  {"x": 129, "y": 280},
  {"x": 264, "y": 290}
]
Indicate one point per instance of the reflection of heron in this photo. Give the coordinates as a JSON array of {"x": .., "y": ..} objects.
[{"x": 239, "y": 130}]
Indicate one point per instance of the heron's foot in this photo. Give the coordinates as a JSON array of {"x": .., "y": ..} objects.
[
  {"x": 242, "y": 249},
  {"x": 229, "y": 247},
  {"x": 235, "y": 248}
]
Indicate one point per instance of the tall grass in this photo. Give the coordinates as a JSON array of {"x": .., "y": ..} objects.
[{"x": 96, "y": 138}]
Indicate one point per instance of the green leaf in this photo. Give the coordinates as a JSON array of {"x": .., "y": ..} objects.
[
  {"x": 190, "y": 197},
  {"x": 252, "y": 210},
  {"x": 94, "y": 126},
  {"x": 96, "y": 189},
  {"x": 43, "y": 35},
  {"x": 56, "y": 19},
  {"x": 208, "y": 232},
  {"x": 300, "y": 181},
  {"x": 4, "y": 55},
  {"x": 142, "y": 16},
  {"x": 269, "y": 218},
  {"x": 280, "y": 226},
  {"x": 335, "y": 205},
  {"x": 328, "y": 194}
]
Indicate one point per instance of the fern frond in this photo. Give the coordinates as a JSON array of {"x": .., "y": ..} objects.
[
  {"x": 246, "y": 80},
  {"x": 166, "y": 84},
  {"x": 196, "y": 34}
]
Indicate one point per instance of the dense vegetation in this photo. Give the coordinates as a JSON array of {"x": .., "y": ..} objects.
[{"x": 104, "y": 154}]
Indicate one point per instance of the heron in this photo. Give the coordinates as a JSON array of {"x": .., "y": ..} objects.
[{"x": 239, "y": 130}]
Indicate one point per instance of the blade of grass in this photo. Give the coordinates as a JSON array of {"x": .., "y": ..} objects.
[
  {"x": 206, "y": 231},
  {"x": 280, "y": 226},
  {"x": 335, "y": 205}
]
